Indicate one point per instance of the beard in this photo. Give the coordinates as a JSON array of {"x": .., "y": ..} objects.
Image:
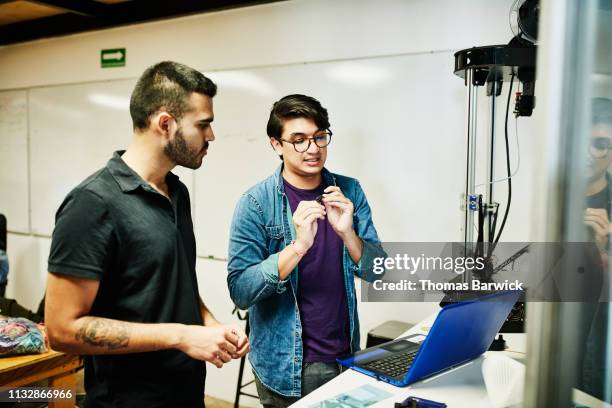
[{"x": 179, "y": 152}]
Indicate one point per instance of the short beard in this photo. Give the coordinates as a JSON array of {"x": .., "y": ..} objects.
[{"x": 178, "y": 151}]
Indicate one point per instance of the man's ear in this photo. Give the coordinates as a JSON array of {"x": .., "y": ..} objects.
[
  {"x": 276, "y": 145},
  {"x": 163, "y": 123}
]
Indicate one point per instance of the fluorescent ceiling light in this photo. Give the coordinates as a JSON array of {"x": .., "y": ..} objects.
[
  {"x": 358, "y": 75},
  {"x": 243, "y": 80}
]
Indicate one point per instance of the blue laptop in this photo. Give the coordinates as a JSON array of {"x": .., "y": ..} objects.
[{"x": 461, "y": 332}]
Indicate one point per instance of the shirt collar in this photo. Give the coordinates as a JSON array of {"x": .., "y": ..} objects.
[{"x": 127, "y": 178}]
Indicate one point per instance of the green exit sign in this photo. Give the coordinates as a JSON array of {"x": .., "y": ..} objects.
[{"x": 114, "y": 57}]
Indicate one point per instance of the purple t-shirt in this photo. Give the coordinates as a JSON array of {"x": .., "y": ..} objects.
[{"x": 321, "y": 292}]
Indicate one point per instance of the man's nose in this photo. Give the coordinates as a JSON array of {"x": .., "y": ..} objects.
[
  {"x": 313, "y": 148},
  {"x": 210, "y": 136}
]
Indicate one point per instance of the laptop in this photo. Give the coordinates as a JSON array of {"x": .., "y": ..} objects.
[{"x": 461, "y": 332}]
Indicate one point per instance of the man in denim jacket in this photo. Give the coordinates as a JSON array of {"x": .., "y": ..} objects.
[{"x": 296, "y": 240}]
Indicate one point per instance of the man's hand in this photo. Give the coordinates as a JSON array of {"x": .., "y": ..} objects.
[
  {"x": 597, "y": 219},
  {"x": 305, "y": 221},
  {"x": 214, "y": 344},
  {"x": 242, "y": 345},
  {"x": 339, "y": 210}
]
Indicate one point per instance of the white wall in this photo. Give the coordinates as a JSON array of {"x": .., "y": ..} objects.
[
  {"x": 266, "y": 35},
  {"x": 273, "y": 34}
]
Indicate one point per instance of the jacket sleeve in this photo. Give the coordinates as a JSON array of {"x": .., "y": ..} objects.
[
  {"x": 252, "y": 271},
  {"x": 364, "y": 227}
]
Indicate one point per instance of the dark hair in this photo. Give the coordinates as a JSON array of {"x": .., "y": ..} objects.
[
  {"x": 296, "y": 106},
  {"x": 166, "y": 85},
  {"x": 602, "y": 111}
]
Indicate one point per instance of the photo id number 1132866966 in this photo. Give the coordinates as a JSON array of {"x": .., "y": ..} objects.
[{"x": 36, "y": 394}]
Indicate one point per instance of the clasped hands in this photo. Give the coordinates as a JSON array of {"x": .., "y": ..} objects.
[{"x": 334, "y": 205}]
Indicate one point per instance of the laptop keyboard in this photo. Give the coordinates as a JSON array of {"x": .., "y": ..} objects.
[{"x": 395, "y": 365}]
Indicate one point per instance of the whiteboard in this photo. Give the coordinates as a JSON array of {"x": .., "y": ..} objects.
[
  {"x": 74, "y": 131},
  {"x": 14, "y": 160},
  {"x": 399, "y": 127}
]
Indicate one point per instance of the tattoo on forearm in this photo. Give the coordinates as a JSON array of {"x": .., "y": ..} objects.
[{"x": 104, "y": 333}]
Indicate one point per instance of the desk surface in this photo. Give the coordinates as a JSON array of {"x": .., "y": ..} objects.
[
  {"x": 459, "y": 387},
  {"x": 18, "y": 371},
  {"x": 12, "y": 362}
]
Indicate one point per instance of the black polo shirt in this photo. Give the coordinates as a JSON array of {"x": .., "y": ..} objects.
[{"x": 116, "y": 228}]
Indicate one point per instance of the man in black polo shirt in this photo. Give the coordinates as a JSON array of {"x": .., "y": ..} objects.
[{"x": 122, "y": 286}]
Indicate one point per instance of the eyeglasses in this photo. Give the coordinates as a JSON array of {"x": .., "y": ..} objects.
[
  {"x": 301, "y": 144},
  {"x": 599, "y": 148}
]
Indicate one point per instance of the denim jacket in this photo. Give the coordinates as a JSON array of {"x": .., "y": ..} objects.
[{"x": 262, "y": 226}]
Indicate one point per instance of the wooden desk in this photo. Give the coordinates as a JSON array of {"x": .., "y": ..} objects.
[{"x": 57, "y": 368}]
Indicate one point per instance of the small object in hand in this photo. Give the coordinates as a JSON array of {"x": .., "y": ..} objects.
[{"x": 319, "y": 199}]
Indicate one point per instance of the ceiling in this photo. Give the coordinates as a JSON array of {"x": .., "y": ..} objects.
[{"x": 33, "y": 19}]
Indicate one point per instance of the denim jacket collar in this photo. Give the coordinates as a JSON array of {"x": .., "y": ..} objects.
[{"x": 328, "y": 178}]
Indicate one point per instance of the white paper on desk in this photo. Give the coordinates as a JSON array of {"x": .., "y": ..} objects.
[
  {"x": 359, "y": 397},
  {"x": 503, "y": 378}
]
